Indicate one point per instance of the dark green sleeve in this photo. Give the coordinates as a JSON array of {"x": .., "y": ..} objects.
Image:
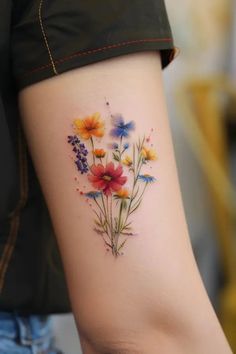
[{"x": 51, "y": 37}]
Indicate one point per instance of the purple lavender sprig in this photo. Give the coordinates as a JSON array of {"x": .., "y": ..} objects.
[{"x": 81, "y": 153}]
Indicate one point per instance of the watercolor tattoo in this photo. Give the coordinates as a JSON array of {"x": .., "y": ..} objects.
[{"x": 108, "y": 171}]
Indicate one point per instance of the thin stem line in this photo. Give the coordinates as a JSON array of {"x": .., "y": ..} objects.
[
  {"x": 105, "y": 229},
  {"x": 91, "y": 139},
  {"x": 140, "y": 197},
  {"x": 99, "y": 206},
  {"x": 120, "y": 149},
  {"x": 136, "y": 174},
  {"x": 106, "y": 208},
  {"x": 119, "y": 219},
  {"x": 111, "y": 217}
]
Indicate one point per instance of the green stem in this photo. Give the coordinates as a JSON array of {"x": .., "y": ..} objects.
[
  {"x": 115, "y": 250},
  {"x": 120, "y": 148},
  {"x": 106, "y": 213},
  {"x": 140, "y": 197},
  {"x": 101, "y": 224},
  {"x": 134, "y": 158},
  {"x": 137, "y": 170},
  {"x": 103, "y": 203},
  {"x": 103, "y": 213},
  {"x": 111, "y": 217},
  {"x": 119, "y": 219},
  {"x": 92, "y": 143}
]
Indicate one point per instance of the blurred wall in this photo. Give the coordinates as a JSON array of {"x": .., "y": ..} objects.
[
  {"x": 232, "y": 45},
  {"x": 201, "y": 31}
]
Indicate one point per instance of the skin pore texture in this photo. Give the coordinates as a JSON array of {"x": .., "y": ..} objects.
[{"x": 102, "y": 148}]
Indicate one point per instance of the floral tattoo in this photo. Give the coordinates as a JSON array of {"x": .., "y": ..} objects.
[{"x": 107, "y": 171}]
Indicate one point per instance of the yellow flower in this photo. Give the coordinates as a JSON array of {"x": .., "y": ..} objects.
[
  {"x": 123, "y": 193},
  {"x": 127, "y": 161},
  {"x": 89, "y": 126},
  {"x": 149, "y": 154},
  {"x": 99, "y": 153}
]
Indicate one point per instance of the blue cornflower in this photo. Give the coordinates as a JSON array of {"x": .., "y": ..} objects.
[
  {"x": 93, "y": 194},
  {"x": 147, "y": 178},
  {"x": 126, "y": 146},
  {"x": 121, "y": 129}
]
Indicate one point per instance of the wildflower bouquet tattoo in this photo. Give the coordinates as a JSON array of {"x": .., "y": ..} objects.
[{"x": 107, "y": 171}]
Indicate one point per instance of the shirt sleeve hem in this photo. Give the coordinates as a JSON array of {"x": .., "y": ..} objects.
[{"x": 82, "y": 58}]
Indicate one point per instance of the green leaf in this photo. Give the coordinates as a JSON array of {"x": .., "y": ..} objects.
[
  {"x": 127, "y": 233},
  {"x": 127, "y": 228},
  {"x": 128, "y": 224},
  {"x": 98, "y": 223},
  {"x": 98, "y": 231},
  {"x": 116, "y": 157},
  {"x": 122, "y": 244}
]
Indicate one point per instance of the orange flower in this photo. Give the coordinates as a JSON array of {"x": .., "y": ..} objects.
[
  {"x": 149, "y": 154},
  {"x": 123, "y": 193},
  {"x": 99, "y": 153},
  {"x": 89, "y": 126}
]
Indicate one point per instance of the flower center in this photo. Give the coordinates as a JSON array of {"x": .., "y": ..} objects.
[{"x": 107, "y": 178}]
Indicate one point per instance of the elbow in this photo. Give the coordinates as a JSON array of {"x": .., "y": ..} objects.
[
  {"x": 120, "y": 335},
  {"x": 117, "y": 344}
]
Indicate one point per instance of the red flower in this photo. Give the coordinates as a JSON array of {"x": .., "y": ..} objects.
[{"x": 107, "y": 178}]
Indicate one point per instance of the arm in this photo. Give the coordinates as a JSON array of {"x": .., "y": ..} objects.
[{"x": 150, "y": 299}]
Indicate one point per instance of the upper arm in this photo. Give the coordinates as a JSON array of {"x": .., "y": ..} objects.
[
  {"x": 137, "y": 292},
  {"x": 102, "y": 285}
]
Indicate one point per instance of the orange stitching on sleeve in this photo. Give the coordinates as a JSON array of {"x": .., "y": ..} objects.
[
  {"x": 45, "y": 37},
  {"x": 98, "y": 50}
]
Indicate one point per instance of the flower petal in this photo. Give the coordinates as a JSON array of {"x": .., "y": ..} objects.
[
  {"x": 100, "y": 184},
  {"x": 118, "y": 171},
  {"x": 97, "y": 170},
  {"x": 117, "y": 119},
  {"x": 92, "y": 178},
  {"x": 99, "y": 132},
  {"x": 121, "y": 180},
  {"x": 114, "y": 185},
  {"x": 110, "y": 168},
  {"x": 79, "y": 123},
  {"x": 97, "y": 182},
  {"x": 107, "y": 191},
  {"x": 130, "y": 125}
]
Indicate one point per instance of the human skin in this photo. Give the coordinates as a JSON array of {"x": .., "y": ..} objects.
[{"x": 151, "y": 299}]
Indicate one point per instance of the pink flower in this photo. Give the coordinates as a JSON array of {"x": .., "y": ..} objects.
[{"x": 107, "y": 178}]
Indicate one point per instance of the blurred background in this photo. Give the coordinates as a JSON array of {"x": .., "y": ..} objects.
[{"x": 200, "y": 89}]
